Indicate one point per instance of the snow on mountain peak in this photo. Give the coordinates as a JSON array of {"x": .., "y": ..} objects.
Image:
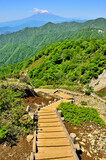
[{"x": 44, "y": 11}]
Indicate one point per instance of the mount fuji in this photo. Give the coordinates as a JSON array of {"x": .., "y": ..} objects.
[{"x": 36, "y": 20}]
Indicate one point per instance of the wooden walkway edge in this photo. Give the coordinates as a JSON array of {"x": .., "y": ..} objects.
[{"x": 69, "y": 138}]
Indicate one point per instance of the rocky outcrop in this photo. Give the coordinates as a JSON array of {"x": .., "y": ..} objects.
[
  {"x": 16, "y": 85},
  {"x": 99, "y": 83}
]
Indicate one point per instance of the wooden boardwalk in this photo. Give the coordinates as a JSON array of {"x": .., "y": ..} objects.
[{"x": 52, "y": 141}]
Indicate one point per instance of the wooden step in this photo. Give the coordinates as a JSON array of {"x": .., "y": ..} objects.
[
  {"x": 53, "y": 149},
  {"x": 51, "y": 135},
  {"x": 55, "y": 155},
  {"x": 51, "y": 129},
  {"x": 46, "y": 111},
  {"x": 47, "y": 117},
  {"x": 52, "y": 143},
  {"x": 48, "y": 120},
  {"x": 53, "y": 124},
  {"x": 54, "y": 140},
  {"x": 46, "y": 114}
]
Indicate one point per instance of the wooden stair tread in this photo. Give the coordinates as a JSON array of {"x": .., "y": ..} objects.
[
  {"x": 47, "y": 117},
  {"x": 57, "y": 154},
  {"x": 54, "y": 140},
  {"x": 53, "y": 149},
  {"x": 53, "y": 135},
  {"x": 48, "y": 120},
  {"x": 46, "y": 114},
  {"x": 49, "y": 124},
  {"x": 53, "y": 143},
  {"x": 43, "y": 129}
]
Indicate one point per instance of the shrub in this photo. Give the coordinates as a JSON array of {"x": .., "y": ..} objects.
[
  {"x": 76, "y": 115},
  {"x": 88, "y": 92},
  {"x": 83, "y": 103},
  {"x": 13, "y": 120},
  {"x": 3, "y": 132}
]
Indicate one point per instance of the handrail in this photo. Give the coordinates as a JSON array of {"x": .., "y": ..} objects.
[{"x": 68, "y": 136}]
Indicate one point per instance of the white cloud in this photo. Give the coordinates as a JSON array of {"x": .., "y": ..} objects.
[
  {"x": 40, "y": 10},
  {"x": 44, "y": 11}
]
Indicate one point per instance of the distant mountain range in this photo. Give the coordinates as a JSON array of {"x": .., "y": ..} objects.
[{"x": 36, "y": 20}]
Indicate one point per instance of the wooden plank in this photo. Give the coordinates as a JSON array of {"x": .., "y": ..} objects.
[
  {"x": 52, "y": 143},
  {"x": 47, "y": 117},
  {"x": 49, "y": 129},
  {"x": 49, "y": 135},
  {"x": 57, "y": 154},
  {"x": 52, "y": 149},
  {"x": 48, "y": 120},
  {"x": 49, "y": 124},
  {"x": 32, "y": 156},
  {"x": 47, "y": 114}
]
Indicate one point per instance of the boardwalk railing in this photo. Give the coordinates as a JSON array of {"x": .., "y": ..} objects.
[
  {"x": 68, "y": 136},
  {"x": 34, "y": 150}
]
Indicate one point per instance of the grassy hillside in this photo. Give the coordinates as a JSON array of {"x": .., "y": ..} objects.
[{"x": 15, "y": 47}]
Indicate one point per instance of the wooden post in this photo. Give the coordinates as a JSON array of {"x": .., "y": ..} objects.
[
  {"x": 36, "y": 113},
  {"x": 73, "y": 137},
  {"x": 60, "y": 113},
  {"x": 34, "y": 142},
  {"x": 28, "y": 109},
  {"x": 77, "y": 146},
  {"x": 62, "y": 118},
  {"x": 32, "y": 156}
]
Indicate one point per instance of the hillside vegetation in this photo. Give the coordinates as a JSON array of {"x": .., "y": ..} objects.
[
  {"x": 14, "y": 120},
  {"x": 24, "y": 44},
  {"x": 76, "y": 115},
  {"x": 69, "y": 62}
]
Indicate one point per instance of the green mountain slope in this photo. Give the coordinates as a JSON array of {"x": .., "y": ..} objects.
[
  {"x": 69, "y": 62},
  {"x": 13, "y": 53},
  {"x": 37, "y": 38},
  {"x": 62, "y": 63}
]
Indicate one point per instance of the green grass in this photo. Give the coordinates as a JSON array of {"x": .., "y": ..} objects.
[{"x": 76, "y": 115}]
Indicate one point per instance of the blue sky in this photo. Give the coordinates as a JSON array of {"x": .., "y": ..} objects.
[{"x": 18, "y": 9}]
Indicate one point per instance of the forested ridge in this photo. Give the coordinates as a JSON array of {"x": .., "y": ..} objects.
[
  {"x": 24, "y": 44},
  {"x": 69, "y": 62}
]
